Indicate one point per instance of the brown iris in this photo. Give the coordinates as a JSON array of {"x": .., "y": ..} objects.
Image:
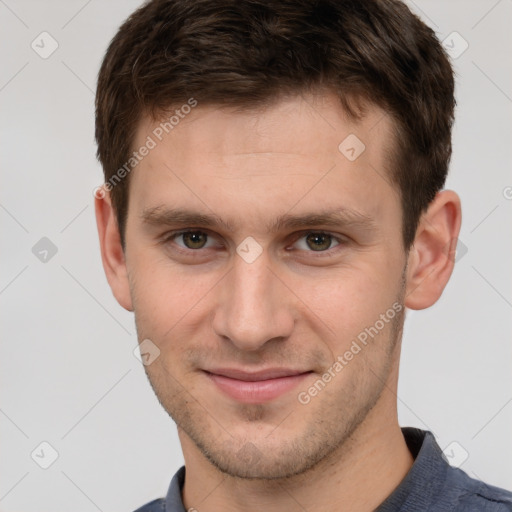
[
  {"x": 319, "y": 241},
  {"x": 194, "y": 239}
]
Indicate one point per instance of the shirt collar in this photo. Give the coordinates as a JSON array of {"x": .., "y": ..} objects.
[
  {"x": 173, "y": 501},
  {"x": 423, "y": 482}
]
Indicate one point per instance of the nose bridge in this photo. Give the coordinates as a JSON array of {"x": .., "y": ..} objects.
[{"x": 252, "y": 310}]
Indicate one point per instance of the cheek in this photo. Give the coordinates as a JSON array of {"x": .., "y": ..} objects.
[
  {"x": 348, "y": 301},
  {"x": 165, "y": 297}
]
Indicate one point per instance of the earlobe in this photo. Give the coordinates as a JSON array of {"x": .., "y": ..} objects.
[
  {"x": 432, "y": 256},
  {"x": 112, "y": 254}
]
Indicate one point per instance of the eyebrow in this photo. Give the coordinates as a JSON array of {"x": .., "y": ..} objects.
[{"x": 341, "y": 217}]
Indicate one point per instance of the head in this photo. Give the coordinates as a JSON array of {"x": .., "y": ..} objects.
[{"x": 273, "y": 176}]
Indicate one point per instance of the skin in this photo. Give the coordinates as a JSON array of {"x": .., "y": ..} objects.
[{"x": 293, "y": 306}]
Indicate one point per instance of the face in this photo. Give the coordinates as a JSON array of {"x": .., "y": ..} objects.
[{"x": 259, "y": 255}]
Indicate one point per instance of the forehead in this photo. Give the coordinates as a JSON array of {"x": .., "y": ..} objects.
[
  {"x": 316, "y": 122},
  {"x": 302, "y": 152}
]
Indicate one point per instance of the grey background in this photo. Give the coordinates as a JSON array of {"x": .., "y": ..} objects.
[{"x": 68, "y": 373}]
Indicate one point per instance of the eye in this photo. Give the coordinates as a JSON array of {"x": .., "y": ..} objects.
[
  {"x": 192, "y": 239},
  {"x": 317, "y": 242}
]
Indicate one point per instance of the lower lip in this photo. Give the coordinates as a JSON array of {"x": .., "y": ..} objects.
[{"x": 255, "y": 392}]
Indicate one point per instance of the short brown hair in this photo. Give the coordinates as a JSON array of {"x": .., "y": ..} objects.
[{"x": 247, "y": 53}]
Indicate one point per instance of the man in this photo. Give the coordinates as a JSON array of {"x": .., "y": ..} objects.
[{"x": 272, "y": 204}]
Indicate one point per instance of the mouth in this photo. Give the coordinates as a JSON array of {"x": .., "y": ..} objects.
[{"x": 256, "y": 387}]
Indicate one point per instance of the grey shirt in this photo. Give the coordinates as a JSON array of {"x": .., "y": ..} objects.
[{"x": 430, "y": 485}]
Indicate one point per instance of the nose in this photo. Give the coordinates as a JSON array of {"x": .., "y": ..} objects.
[{"x": 254, "y": 306}]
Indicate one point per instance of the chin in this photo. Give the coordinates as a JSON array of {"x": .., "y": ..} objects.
[{"x": 262, "y": 459}]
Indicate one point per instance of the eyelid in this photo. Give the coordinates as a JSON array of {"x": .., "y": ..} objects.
[
  {"x": 341, "y": 240},
  {"x": 170, "y": 236}
]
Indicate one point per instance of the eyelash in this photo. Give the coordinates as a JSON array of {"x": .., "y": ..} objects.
[{"x": 170, "y": 237}]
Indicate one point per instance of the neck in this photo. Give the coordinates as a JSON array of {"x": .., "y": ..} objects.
[{"x": 356, "y": 477}]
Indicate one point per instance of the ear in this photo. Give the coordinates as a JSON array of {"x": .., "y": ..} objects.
[
  {"x": 432, "y": 255},
  {"x": 112, "y": 254}
]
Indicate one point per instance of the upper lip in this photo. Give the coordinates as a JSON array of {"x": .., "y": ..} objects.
[{"x": 270, "y": 373}]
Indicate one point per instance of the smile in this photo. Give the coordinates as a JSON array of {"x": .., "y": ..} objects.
[{"x": 257, "y": 387}]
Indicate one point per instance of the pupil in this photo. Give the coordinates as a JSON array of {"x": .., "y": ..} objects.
[
  {"x": 194, "y": 239},
  {"x": 320, "y": 241}
]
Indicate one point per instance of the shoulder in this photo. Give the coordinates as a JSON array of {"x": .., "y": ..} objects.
[
  {"x": 469, "y": 494},
  {"x": 172, "y": 501},
  {"x": 153, "y": 506}
]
